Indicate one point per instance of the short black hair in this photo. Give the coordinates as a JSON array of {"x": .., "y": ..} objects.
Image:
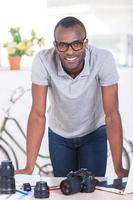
[{"x": 69, "y": 22}]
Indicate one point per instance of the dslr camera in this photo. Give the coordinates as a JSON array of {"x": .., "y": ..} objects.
[{"x": 78, "y": 181}]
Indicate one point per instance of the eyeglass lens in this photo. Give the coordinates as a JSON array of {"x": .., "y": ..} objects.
[{"x": 76, "y": 45}]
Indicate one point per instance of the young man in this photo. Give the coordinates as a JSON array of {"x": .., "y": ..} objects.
[{"x": 81, "y": 82}]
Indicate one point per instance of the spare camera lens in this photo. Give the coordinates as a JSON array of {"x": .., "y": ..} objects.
[
  {"x": 41, "y": 190},
  {"x": 7, "y": 180}
]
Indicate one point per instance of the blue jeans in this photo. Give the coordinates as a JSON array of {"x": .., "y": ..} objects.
[{"x": 89, "y": 152}]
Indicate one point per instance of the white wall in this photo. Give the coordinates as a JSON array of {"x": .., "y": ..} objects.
[{"x": 105, "y": 21}]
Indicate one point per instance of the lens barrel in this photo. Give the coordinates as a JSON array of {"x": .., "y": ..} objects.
[{"x": 71, "y": 186}]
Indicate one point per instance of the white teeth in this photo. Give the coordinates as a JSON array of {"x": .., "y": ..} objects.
[{"x": 71, "y": 59}]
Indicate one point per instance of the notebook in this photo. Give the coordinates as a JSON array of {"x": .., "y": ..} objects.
[{"x": 120, "y": 186}]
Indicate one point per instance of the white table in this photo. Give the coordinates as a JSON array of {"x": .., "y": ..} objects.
[{"x": 57, "y": 195}]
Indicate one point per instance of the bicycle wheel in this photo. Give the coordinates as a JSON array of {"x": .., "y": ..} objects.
[
  {"x": 7, "y": 153},
  {"x": 126, "y": 159},
  {"x": 3, "y": 154},
  {"x": 45, "y": 170}
]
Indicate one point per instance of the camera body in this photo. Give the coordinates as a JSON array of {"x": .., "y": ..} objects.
[{"x": 78, "y": 181}]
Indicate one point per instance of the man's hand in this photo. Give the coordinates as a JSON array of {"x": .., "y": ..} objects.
[
  {"x": 122, "y": 173},
  {"x": 24, "y": 171}
]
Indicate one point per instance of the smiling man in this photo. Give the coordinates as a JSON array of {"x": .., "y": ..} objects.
[{"x": 81, "y": 82}]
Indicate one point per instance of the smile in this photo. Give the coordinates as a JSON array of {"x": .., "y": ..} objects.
[{"x": 71, "y": 59}]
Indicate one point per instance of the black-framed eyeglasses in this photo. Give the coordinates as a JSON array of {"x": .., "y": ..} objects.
[{"x": 75, "y": 45}]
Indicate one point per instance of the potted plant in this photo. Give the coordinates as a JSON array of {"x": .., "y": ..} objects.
[{"x": 19, "y": 47}]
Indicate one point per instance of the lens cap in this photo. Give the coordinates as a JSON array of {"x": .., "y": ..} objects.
[{"x": 27, "y": 187}]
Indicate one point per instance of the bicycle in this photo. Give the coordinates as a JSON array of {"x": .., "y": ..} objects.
[{"x": 9, "y": 140}]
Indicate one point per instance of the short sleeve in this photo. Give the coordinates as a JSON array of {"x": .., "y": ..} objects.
[
  {"x": 39, "y": 74},
  {"x": 108, "y": 74}
]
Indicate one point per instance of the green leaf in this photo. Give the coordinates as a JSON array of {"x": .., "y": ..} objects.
[{"x": 15, "y": 34}]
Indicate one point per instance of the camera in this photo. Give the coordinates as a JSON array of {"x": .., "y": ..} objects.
[
  {"x": 78, "y": 181},
  {"x": 7, "y": 180}
]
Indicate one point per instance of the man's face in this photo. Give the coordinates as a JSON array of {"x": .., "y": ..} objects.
[{"x": 71, "y": 52}]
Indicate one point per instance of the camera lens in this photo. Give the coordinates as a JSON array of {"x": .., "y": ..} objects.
[
  {"x": 41, "y": 190},
  {"x": 7, "y": 180},
  {"x": 6, "y": 168},
  {"x": 71, "y": 186}
]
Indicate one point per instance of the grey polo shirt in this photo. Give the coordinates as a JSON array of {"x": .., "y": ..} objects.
[{"x": 75, "y": 104}]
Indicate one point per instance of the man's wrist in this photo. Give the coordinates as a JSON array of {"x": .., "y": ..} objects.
[{"x": 29, "y": 168}]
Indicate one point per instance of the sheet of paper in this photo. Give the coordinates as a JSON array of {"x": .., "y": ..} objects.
[
  {"x": 113, "y": 185},
  {"x": 15, "y": 196}
]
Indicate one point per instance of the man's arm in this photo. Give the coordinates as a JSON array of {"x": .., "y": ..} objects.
[
  {"x": 35, "y": 127},
  {"x": 114, "y": 126}
]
